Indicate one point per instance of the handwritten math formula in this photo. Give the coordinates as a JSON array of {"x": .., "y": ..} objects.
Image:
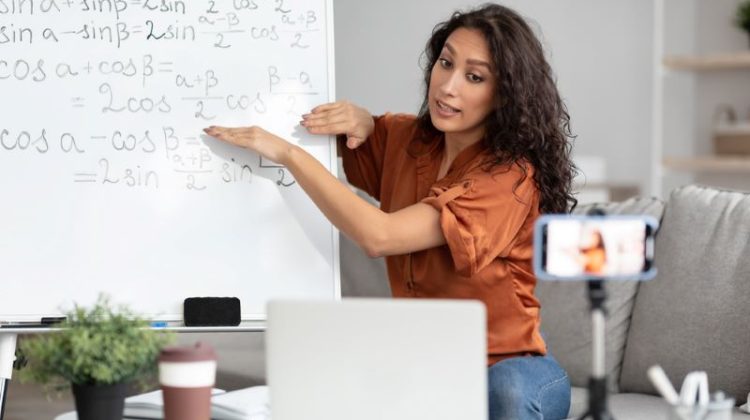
[{"x": 114, "y": 93}]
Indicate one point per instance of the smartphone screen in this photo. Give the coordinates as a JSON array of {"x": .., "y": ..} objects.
[{"x": 586, "y": 247}]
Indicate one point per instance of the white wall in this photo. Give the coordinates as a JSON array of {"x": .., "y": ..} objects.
[
  {"x": 715, "y": 33},
  {"x": 601, "y": 51},
  {"x": 691, "y": 98}
]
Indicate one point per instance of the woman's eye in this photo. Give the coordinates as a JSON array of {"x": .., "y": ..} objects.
[
  {"x": 474, "y": 78},
  {"x": 444, "y": 63}
]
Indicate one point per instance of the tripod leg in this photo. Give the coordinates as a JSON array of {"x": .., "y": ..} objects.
[
  {"x": 4, "y": 383},
  {"x": 597, "y": 390}
]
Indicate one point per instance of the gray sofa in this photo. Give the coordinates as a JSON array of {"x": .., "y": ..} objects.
[{"x": 693, "y": 316}]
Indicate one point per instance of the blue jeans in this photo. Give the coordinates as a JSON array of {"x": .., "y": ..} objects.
[{"x": 529, "y": 387}]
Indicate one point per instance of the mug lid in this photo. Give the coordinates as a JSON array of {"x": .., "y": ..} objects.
[{"x": 200, "y": 351}]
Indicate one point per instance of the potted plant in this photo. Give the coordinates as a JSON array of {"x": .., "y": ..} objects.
[
  {"x": 99, "y": 351},
  {"x": 742, "y": 17}
]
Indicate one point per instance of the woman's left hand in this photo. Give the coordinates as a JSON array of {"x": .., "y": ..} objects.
[{"x": 268, "y": 145}]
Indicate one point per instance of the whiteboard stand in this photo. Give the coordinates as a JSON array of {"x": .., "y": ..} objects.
[
  {"x": 7, "y": 357},
  {"x": 110, "y": 207}
]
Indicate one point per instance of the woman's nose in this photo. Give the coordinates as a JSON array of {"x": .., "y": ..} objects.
[{"x": 450, "y": 84}]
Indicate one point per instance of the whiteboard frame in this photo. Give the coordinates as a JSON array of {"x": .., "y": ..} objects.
[
  {"x": 250, "y": 321},
  {"x": 334, "y": 145}
]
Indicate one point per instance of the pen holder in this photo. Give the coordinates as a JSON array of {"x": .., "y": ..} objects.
[{"x": 715, "y": 410}]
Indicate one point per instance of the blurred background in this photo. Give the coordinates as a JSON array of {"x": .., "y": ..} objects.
[{"x": 651, "y": 85}]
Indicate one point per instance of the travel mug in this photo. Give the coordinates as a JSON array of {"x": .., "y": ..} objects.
[{"x": 186, "y": 376}]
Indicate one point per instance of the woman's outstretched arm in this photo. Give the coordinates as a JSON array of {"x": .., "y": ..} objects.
[{"x": 413, "y": 228}]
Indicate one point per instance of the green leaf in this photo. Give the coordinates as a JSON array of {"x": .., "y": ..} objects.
[
  {"x": 742, "y": 16},
  {"x": 98, "y": 345}
]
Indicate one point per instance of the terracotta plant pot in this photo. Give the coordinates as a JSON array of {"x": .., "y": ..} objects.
[{"x": 100, "y": 402}]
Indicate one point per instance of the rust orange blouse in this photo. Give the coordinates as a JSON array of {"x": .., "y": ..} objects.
[{"x": 487, "y": 225}]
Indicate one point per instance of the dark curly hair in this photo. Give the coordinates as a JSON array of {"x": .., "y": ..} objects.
[{"x": 532, "y": 124}]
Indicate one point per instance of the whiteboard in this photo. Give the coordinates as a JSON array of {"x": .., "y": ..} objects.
[{"x": 108, "y": 183}]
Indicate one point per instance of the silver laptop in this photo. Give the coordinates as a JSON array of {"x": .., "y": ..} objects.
[{"x": 384, "y": 359}]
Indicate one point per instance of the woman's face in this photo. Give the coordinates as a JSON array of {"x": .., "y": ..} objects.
[
  {"x": 462, "y": 85},
  {"x": 591, "y": 238}
]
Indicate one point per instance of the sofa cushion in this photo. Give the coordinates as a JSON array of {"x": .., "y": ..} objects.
[
  {"x": 566, "y": 320},
  {"x": 694, "y": 315}
]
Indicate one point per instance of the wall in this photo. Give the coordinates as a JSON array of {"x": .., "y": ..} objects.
[
  {"x": 600, "y": 50},
  {"x": 714, "y": 33},
  {"x": 701, "y": 27}
]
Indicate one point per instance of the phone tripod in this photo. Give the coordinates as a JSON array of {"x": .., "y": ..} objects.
[{"x": 597, "y": 390}]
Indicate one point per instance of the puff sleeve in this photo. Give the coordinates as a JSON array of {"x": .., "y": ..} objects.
[{"x": 482, "y": 214}]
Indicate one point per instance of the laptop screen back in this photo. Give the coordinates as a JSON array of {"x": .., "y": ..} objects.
[{"x": 377, "y": 359}]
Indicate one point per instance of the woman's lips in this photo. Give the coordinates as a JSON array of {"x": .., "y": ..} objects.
[{"x": 445, "y": 110}]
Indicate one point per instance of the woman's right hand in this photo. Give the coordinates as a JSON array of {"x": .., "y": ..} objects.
[{"x": 341, "y": 117}]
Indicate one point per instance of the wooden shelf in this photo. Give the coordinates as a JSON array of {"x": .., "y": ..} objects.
[
  {"x": 724, "y": 61},
  {"x": 612, "y": 191},
  {"x": 710, "y": 164}
]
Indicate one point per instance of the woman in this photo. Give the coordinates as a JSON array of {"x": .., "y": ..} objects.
[
  {"x": 593, "y": 253},
  {"x": 460, "y": 186}
]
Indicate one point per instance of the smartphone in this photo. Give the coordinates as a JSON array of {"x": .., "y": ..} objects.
[{"x": 572, "y": 247}]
